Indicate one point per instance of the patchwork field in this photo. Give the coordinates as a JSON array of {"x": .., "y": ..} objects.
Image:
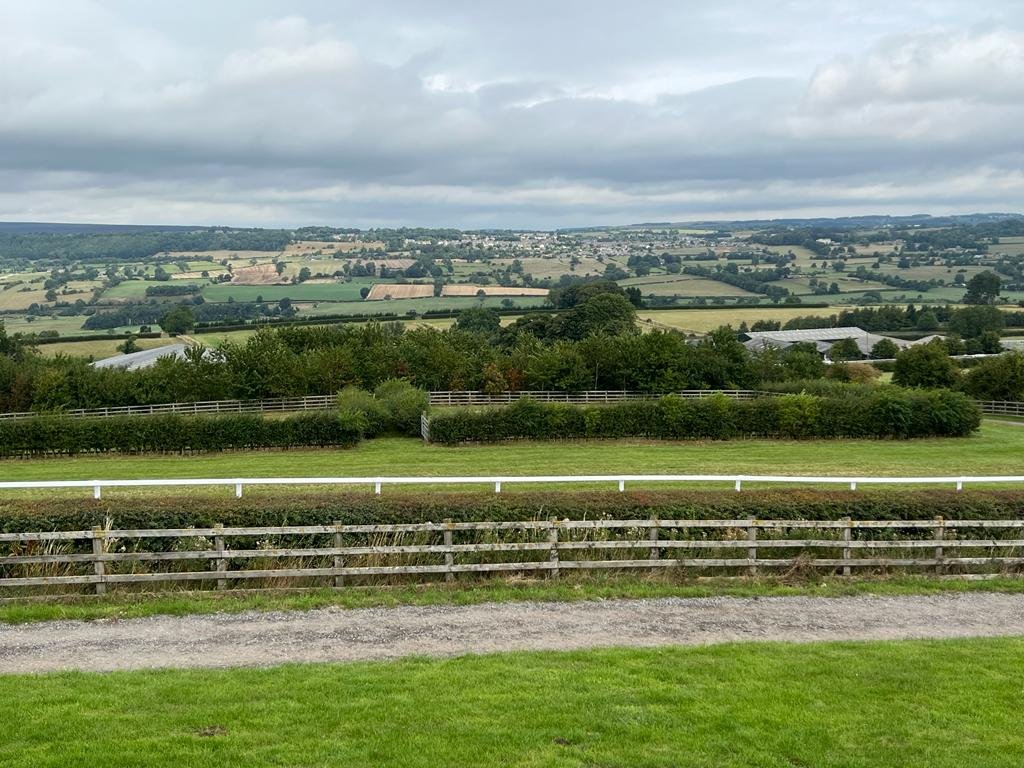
[
  {"x": 381, "y": 291},
  {"x": 491, "y": 290},
  {"x": 704, "y": 320}
]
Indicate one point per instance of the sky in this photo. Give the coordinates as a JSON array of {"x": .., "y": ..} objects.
[{"x": 523, "y": 114}]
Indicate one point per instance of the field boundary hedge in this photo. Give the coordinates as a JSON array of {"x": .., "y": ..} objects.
[
  {"x": 349, "y": 508},
  {"x": 62, "y": 435},
  {"x": 885, "y": 412}
]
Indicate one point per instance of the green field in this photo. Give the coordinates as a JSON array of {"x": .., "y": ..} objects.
[
  {"x": 98, "y": 349},
  {"x": 995, "y": 449},
  {"x": 704, "y": 320},
  {"x": 336, "y": 291},
  {"x": 911, "y": 703}
]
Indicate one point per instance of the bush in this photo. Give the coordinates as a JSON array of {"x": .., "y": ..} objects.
[
  {"x": 355, "y": 508},
  {"x": 997, "y": 378},
  {"x": 404, "y": 404},
  {"x": 925, "y": 365},
  {"x": 393, "y": 408},
  {"x": 173, "y": 434},
  {"x": 879, "y": 412}
]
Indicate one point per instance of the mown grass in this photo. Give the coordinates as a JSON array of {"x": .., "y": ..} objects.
[
  {"x": 994, "y": 449},
  {"x": 911, "y": 703},
  {"x": 128, "y": 605}
]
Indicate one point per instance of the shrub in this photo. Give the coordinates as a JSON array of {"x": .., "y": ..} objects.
[
  {"x": 354, "y": 508},
  {"x": 365, "y": 409},
  {"x": 857, "y": 411},
  {"x": 997, "y": 378},
  {"x": 925, "y": 365},
  {"x": 173, "y": 434},
  {"x": 403, "y": 403}
]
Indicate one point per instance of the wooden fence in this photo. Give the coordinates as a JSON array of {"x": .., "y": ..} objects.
[
  {"x": 465, "y": 398},
  {"x": 322, "y": 402},
  {"x": 1001, "y": 408},
  {"x": 220, "y": 557},
  {"x": 440, "y": 398}
]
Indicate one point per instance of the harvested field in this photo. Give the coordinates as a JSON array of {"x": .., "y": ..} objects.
[
  {"x": 491, "y": 290},
  {"x": 256, "y": 274},
  {"x": 304, "y": 247},
  {"x": 381, "y": 291},
  {"x": 395, "y": 263}
]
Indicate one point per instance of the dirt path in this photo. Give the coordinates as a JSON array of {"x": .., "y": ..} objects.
[{"x": 256, "y": 639}]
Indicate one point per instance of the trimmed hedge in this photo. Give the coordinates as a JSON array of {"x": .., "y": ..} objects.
[
  {"x": 173, "y": 434},
  {"x": 364, "y": 508},
  {"x": 882, "y": 412}
]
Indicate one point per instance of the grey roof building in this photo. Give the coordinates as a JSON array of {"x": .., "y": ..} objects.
[
  {"x": 822, "y": 339},
  {"x": 144, "y": 359}
]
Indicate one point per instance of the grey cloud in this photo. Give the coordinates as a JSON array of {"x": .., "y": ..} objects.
[{"x": 524, "y": 115}]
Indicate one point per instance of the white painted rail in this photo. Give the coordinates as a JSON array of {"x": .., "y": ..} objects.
[{"x": 498, "y": 481}]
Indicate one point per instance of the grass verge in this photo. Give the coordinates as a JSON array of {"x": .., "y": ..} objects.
[
  {"x": 936, "y": 703},
  {"x": 995, "y": 449},
  {"x": 127, "y": 605}
]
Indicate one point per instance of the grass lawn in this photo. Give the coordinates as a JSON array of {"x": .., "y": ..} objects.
[
  {"x": 571, "y": 587},
  {"x": 996, "y": 449},
  {"x": 937, "y": 703}
]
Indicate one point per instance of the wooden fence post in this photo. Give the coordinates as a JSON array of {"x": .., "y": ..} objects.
[
  {"x": 847, "y": 551},
  {"x": 222, "y": 563},
  {"x": 752, "y": 548},
  {"x": 652, "y": 535},
  {"x": 339, "y": 561},
  {"x": 553, "y": 551},
  {"x": 940, "y": 534},
  {"x": 99, "y": 567},
  {"x": 449, "y": 556}
]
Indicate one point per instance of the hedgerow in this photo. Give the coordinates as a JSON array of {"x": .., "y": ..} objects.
[
  {"x": 354, "y": 508},
  {"x": 65, "y": 435},
  {"x": 883, "y": 412}
]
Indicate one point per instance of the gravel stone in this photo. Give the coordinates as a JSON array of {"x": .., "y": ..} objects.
[{"x": 333, "y": 634}]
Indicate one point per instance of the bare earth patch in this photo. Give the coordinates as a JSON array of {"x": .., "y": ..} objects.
[{"x": 331, "y": 635}]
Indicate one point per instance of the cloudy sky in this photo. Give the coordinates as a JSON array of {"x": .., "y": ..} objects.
[{"x": 534, "y": 113}]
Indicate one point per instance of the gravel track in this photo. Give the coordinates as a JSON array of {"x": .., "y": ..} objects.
[{"x": 260, "y": 639}]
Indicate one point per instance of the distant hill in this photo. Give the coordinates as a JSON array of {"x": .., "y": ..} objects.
[
  {"x": 842, "y": 222},
  {"x": 41, "y": 227}
]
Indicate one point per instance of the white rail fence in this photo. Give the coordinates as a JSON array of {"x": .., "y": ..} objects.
[
  {"x": 500, "y": 481},
  {"x": 329, "y": 554}
]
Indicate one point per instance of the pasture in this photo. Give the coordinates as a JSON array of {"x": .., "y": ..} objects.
[
  {"x": 704, "y": 320},
  {"x": 939, "y": 703},
  {"x": 995, "y": 450},
  {"x": 332, "y": 291}
]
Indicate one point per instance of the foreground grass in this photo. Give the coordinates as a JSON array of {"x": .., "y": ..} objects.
[
  {"x": 126, "y": 605},
  {"x": 911, "y": 703},
  {"x": 995, "y": 449}
]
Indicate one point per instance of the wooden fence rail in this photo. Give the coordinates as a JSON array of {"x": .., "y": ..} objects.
[
  {"x": 322, "y": 402},
  {"x": 220, "y": 556},
  {"x": 439, "y": 398}
]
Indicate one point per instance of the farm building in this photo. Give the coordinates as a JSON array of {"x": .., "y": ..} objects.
[
  {"x": 144, "y": 359},
  {"x": 823, "y": 339}
]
